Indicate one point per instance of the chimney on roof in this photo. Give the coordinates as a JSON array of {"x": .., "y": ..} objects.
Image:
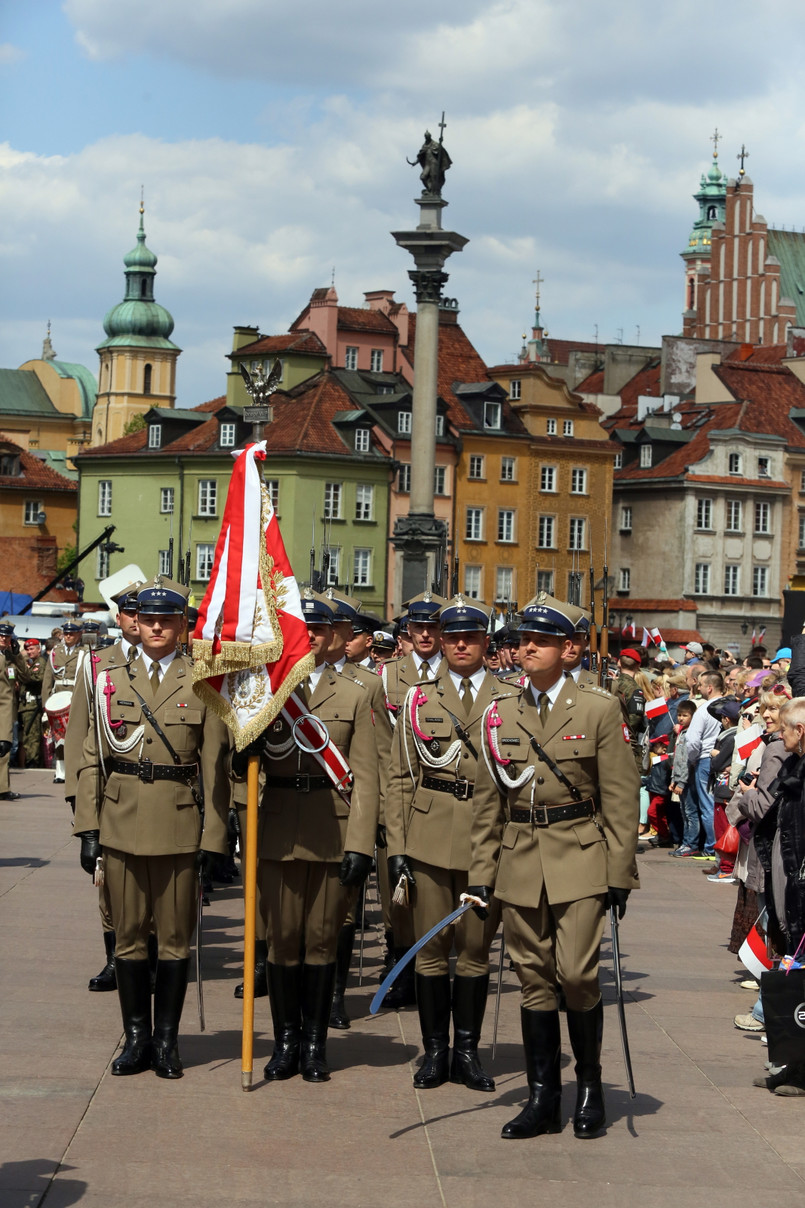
[{"x": 379, "y": 299}]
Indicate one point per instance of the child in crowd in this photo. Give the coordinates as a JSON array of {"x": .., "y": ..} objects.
[
  {"x": 658, "y": 783},
  {"x": 680, "y": 783}
]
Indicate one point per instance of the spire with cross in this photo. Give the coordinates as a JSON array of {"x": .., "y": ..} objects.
[
  {"x": 742, "y": 155},
  {"x": 715, "y": 139}
]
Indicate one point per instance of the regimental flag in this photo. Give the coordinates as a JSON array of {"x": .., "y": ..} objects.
[
  {"x": 655, "y": 708},
  {"x": 746, "y": 742},
  {"x": 754, "y": 954},
  {"x": 250, "y": 645},
  {"x": 629, "y": 630}
]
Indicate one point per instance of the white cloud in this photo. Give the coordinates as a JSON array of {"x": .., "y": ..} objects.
[{"x": 10, "y": 54}]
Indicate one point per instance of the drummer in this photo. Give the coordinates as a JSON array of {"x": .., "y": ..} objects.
[{"x": 61, "y": 674}]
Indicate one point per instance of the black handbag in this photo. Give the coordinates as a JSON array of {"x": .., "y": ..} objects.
[{"x": 783, "y": 998}]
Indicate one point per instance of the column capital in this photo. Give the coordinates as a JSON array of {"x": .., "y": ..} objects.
[{"x": 428, "y": 284}]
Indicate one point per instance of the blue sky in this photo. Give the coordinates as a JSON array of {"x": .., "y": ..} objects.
[{"x": 270, "y": 138}]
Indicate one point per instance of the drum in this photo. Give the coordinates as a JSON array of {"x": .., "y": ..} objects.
[{"x": 57, "y": 708}]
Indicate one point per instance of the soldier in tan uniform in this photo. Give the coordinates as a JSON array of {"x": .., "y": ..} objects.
[
  {"x": 579, "y": 643},
  {"x": 11, "y": 662},
  {"x": 30, "y": 703},
  {"x": 554, "y": 839},
  {"x": 313, "y": 846},
  {"x": 61, "y": 675},
  {"x": 81, "y": 721},
  {"x": 156, "y": 747},
  {"x": 429, "y": 819}
]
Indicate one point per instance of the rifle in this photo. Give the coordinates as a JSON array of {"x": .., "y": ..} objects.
[
  {"x": 603, "y": 669},
  {"x": 593, "y": 630}
]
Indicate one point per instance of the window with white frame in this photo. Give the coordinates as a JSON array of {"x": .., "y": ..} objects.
[
  {"x": 545, "y": 581},
  {"x": 508, "y": 469},
  {"x": 164, "y": 562},
  {"x": 567, "y": 427},
  {"x": 227, "y": 433},
  {"x": 105, "y": 497},
  {"x": 626, "y": 519},
  {"x": 207, "y": 497},
  {"x": 333, "y": 554},
  {"x": 472, "y": 582},
  {"x": 440, "y": 425},
  {"x": 550, "y": 427},
  {"x": 272, "y": 486},
  {"x": 362, "y": 440},
  {"x": 578, "y": 481},
  {"x": 764, "y": 467},
  {"x": 404, "y": 480},
  {"x": 476, "y": 467},
  {"x": 704, "y": 513},
  {"x": 474, "y": 530},
  {"x": 155, "y": 436},
  {"x": 205, "y": 555},
  {"x": 166, "y": 497},
  {"x": 624, "y": 579},
  {"x": 732, "y": 579},
  {"x": 514, "y": 389},
  {"x": 701, "y": 579},
  {"x": 504, "y": 583},
  {"x": 801, "y": 527},
  {"x": 546, "y": 529},
  {"x": 333, "y": 497},
  {"x": 102, "y": 562},
  {"x": 618, "y": 462},
  {"x": 362, "y": 568},
  {"x": 577, "y": 533},
  {"x": 760, "y": 580},
  {"x": 735, "y": 513},
  {"x": 492, "y": 415},
  {"x": 762, "y": 517},
  {"x": 31, "y": 510},
  {"x": 404, "y": 422},
  {"x": 440, "y": 480},
  {"x": 350, "y": 358},
  {"x": 645, "y": 456},
  {"x": 506, "y": 524},
  {"x": 802, "y": 482},
  {"x": 735, "y": 463},
  {"x": 364, "y": 501},
  {"x": 376, "y": 360},
  {"x": 547, "y": 478}
]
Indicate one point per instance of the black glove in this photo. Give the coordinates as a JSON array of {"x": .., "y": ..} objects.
[
  {"x": 485, "y": 894},
  {"x": 90, "y": 850},
  {"x": 15, "y": 647},
  {"x": 205, "y": 861},
  {"x": 240, "y": 759},
  {"x": 380, "y": 837},
  {"x": 5, "y": 747},
  {"x": 399, "y": 867},
  {"x": 354, "y": 868},
  {"x": 617, "y": 898}
]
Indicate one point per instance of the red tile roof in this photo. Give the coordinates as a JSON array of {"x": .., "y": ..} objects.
[
  {"x": 355, "y": 318},
  {"x": 302, "y": 341},
  {"x": 35, "y": 474},
  {"x": 303, "y": 418},
  {"x": 137, "y": 442},
  {"x": 560, "y": 350},
  {"x": 594, "y": 384}
]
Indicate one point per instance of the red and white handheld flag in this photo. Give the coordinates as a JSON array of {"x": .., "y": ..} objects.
[
  {"x": 250, "y": 645},
  {"x": 754, "y": 955},
  {"x": 745, "y": 743},
  {"x": 655, "y": 708}
]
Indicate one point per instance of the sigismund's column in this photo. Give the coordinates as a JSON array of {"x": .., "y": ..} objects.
[{"x": 420, "y": 538}]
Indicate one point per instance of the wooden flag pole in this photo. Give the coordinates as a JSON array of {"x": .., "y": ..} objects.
[{"x": 250, "y": 896}]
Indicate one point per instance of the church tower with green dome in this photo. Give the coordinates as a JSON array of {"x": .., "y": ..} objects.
[
  {"x": 138, "y": 358},
  {"x": 712, "y": 199}
]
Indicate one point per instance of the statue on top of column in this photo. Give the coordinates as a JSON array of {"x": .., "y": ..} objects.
[{"x": 434, "y": 161}]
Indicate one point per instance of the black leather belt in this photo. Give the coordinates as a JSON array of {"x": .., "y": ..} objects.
[
  {"x": 148, "y": 772},
  {"x": 542, "y": 814},
  {"x": 462, "y": 790},
  {"x": 301, "y": 783}
]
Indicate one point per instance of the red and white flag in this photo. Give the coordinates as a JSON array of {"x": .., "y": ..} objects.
[
  {"x": 646, "y": 638},
  {"x": 753, "y": 954},
  {"x": 758, "y": 635},
  {"x": 629, "y": 631},
  {"x": 655, "y": 708},
  {"x": 250, "y": 645},
  {"x": 746, "y": 742}
]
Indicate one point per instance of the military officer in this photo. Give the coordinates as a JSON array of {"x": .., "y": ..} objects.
[
  {"x": 422, "y": 662},
  {"x": 429, "y": 816},
  {"x": 579, "y": 642},
  {"x": 144, "y": 767},
  {"x": 30, "y": 702},
  {"x": 359, "y": 646},
  {"x": 81, "y": 720},
  {"x": 61, "y": 675},
  {"x": 314, "y": 843},
  {"x": 11, "y": 662},
  {"x": 554, "y": 838}
]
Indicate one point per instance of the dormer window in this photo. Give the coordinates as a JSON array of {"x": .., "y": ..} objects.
[
  {"x": 440, "y": 425},
  {"x": 492, "y": 414},
  {"x": 155, "y": 436},
  {"x": 645, "y": 456},
  {"x": 404, "y": 423},
  {"x": 9, "y": 465},
  {"x": 226, "y": 435},
  {"x": 362, "y": 437}
]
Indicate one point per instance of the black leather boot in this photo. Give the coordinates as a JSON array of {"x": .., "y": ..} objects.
[
  {"x": 433, "y": 1000},
  {"x": 343, "y": 955},
  {"x": 134, "y": 990},
  {"x": 106, "y": 980},
  {"x": 542, "y": 1043},
  {"x": 318, "y": 982},
  {"x": 284, "y": 987},
  {"x": 586, "y": 1029},
  {"x": 469, "y": 1004},
  {"x": 389, "y": 955},
  {"x": 260, "y": 977},
  {"x": 153, "y": 959},
  {"x": 402, "y": 992},
  {"x": 168, "y": 1002}
]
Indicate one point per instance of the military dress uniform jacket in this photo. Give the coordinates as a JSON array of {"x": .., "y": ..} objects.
[
  {"x": 7, "y": 699},
  {"x": 573, "y": 858},
  {"x": 81, "y": 713},
  {"x": 162, "y": 817},
  {"x": 429, "y": 824},
  {"x": 399, "y": 675},
  {"x": 62, "y": 671},
  {"x": 319, "y": 825},
  {"x": 383, "y": 728}
]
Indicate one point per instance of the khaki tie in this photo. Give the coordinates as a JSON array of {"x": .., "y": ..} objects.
[
  {"x": 466, "y": 695},
  {"x": 544, "y": 707},
  {"x": 428, "y": 673},
  {"x": 154, "y": 678}
]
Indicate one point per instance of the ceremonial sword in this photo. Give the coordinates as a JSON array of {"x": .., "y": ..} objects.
[
  {"x": 199, "y": 934},
  {"x": 616, "y": 963}
]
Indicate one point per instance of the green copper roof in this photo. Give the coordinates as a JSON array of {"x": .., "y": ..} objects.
[
  {"x": 712, "y": 199},
  {"x": 84, "y": 379},
  {"x": 789, "y": 248},
  {"x": 139, "y": 321}
]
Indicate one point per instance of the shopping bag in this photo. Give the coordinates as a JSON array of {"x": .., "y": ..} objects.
[
  {"x": 783, "y": 998},
  {"x": 729, "y": 842}
]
